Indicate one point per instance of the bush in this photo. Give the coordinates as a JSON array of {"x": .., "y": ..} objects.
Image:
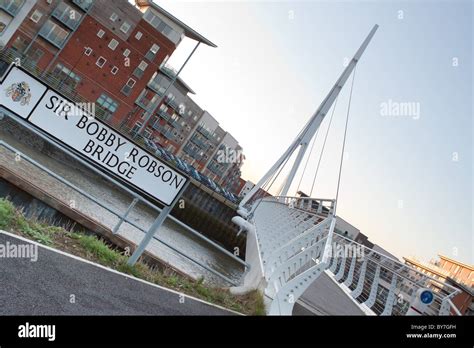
[{"x": 7, "y": 213}]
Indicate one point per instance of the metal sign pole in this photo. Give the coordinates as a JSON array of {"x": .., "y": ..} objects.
[{"x": 154, "y": 227}]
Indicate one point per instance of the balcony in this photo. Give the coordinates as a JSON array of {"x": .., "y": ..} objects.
[
  {"x": 193, "y": 153},
  {"x": 54, "y": 34},
  {"x": 203, "y": 145},
  {"x": 175, "y": 124},
  {"x": 164, "y": 115},
  {"x": 172, "y": 103},
  {"x": 156, "y": 87},
  {"x": 11, "y": 6},
  {"x": 84, "y": 4},
  {"x": 67, "y": 15},
  {"x": 168, "y": 71},
  {"x": 168, "y": 134},
  {"x": 204, "y": 132}
]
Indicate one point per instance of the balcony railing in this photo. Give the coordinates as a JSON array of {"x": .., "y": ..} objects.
[
  {"x": 200, "y": 143},
  {"x": 83, "y": 4},
  {"x": 168, "y": 71},
  {"x": 164, "y": 115},
  {"x": 204, "y": 132}
]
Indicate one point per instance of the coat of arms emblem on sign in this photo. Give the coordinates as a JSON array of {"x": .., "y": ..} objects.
[{"x": 19, "y": 92}]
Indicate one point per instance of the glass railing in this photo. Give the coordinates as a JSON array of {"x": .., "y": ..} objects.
[
  {"x": 11, "y": 6},
  {"x": 67, "y": 15},
  {"x": 83, "y": 4},
  {"x": 54, "y": 34}
]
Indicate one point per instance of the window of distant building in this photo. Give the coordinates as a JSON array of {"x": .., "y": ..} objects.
[
  {"x": 161, "y": 26},
  {"x": 139, "y": 71},
  {"x": 101, "y": 33},
  {"x": 127, "y": 88},
  {"x": 126, "y": 52},
  {"x": 138, "y": 35},
  {"x": 36, "y": 16},
  {"x": 113, "y": 44},
  {"x": 107, "y": 103},
  {"x": 101, "y": 62},
  {"x": 125, "y": 27},
  {"x": 113, "y": 17},
  {"x": 151, "y": 54},
  {"x": 114, "y": 70}
]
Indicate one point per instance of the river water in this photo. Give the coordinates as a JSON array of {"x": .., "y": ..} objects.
[{"x": 117, "y": 199}]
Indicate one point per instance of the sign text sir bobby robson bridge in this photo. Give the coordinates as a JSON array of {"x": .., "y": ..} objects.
[{"x": 30, "y": 99}]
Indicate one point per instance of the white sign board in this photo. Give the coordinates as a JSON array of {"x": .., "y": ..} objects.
[
  {"x": 20, "y": 92},
  {"x": 74, "y": 127}
]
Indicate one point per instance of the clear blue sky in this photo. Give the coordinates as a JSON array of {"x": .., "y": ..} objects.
[{"x": 275, "y": 63}]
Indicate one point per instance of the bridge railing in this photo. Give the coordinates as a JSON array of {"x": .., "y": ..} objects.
[
  {"x": 291, "y": 233},
  {"x": 381, "y": 285}
]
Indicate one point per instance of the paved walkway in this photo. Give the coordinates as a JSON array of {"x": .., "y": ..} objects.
[{"x": 45, "y": 287}]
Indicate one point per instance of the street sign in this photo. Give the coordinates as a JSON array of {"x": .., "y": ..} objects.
[{"x": 72, "y": 125}]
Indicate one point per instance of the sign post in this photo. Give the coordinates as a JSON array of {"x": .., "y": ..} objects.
[{"x": 153, "y": 228}]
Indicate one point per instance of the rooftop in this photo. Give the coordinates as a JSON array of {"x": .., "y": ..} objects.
[{"x": 188, "y": 31}]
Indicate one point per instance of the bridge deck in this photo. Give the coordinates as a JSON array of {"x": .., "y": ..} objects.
[{"x": 324, "y": 297}]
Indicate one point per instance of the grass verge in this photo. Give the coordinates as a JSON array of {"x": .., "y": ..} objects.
[{"x": 95, "y": 249}]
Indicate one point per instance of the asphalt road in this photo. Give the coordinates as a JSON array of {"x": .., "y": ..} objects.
[{"x": 46, "y": 287}]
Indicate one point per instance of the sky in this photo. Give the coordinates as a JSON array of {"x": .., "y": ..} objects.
[{"x": 406, "y": 179}]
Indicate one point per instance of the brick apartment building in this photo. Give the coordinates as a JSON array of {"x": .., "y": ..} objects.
[
  {"x": 454, "y": 273},
  {"x": 114, "y": 53}
]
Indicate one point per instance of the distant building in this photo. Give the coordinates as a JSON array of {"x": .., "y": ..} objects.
[
  {"x": 248, "y": 186},
  {"x": 451, "y": 272}
]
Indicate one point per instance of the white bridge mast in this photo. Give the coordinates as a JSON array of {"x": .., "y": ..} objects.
[{"x": 310, "y": 129}]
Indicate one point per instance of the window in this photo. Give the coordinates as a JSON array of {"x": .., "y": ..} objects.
[
  {"x": 54, "y": 33},
  {"x": 88, "y": 51},
  {"x": 113, "y": 44},
  {"x": 125, "y": 27},
  {"x": 68, "y": 77},
  {"x": 152, "y": 52},
  {"x": 101, "y": 62},
  {"x": 126, "y": 53},
  {"x": 36, "y": 16},
  {"x": 107, "y": 103},
  {"x": 67, "y": 15},
  {"x": 162, "y": 27},
  {"x": 101, "y": 33},
  {"x": 140, "y": 69},
  {"x": 127, "y": 89},
  {"x": 113, "y": 17},
  {"x": 84, "y": 4},
  {"x": 114, "y": 70},
  {"x": 136, "y": 128},
  {"x": 138, "y": 35}
]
